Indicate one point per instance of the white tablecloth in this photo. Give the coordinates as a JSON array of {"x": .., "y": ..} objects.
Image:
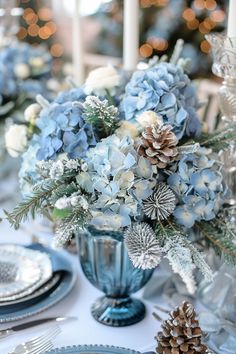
[{"x": 84, "y": 330}]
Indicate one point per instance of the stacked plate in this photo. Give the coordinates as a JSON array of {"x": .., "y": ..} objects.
[{"x": 32, "y": 279}]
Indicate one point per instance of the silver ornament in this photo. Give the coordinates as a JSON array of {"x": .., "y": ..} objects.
[
  {"x": 142, "y": 245},
  {"x": 160, "y": 204}
]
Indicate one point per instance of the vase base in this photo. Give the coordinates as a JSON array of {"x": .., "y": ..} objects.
[{"x": 118, "y": 312}]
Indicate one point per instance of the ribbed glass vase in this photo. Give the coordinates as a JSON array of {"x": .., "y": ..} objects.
[{"x": 106, "y": 264}]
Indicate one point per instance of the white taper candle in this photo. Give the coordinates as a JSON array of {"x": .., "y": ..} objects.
[
  {"x": 231, "y": 32},
  {"x": 77, "y": 46},
  {"x": 130, "y": 34}
]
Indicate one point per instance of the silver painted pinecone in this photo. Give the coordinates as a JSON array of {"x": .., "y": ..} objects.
[
  {"x": 158, "y": 145},
  {"x": 142, "y": 245},
  {"x": 181, "y": 333},
  {"x": 161, "y": 204}
]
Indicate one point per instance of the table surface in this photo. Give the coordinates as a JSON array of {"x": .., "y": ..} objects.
[{"x": 83, "y": 330}]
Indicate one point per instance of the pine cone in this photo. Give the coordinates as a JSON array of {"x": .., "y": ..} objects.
[
  {"x": 181, "y": 333},
  {"x": 158, "y": 145}
]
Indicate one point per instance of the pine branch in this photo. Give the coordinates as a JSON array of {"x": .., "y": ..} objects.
[
  {"x": 219, "y": 140},
  {"x": 221, "y": 237},
  {"x": 101, "y": 115},
  {"x": 182, "y": 255},
  {"x": 63, "y": 190},
  {"x": 70, "y": 225},
  {"x": 31, "y": 204}
]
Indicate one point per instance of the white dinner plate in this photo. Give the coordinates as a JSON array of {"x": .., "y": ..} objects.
[{"x": 22, "y": 271}]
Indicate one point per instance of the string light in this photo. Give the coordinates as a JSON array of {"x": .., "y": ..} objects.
[
  {"x": 33, "y": 30},
  {"x": 45, "y": 14},
  {"x": 146, "y": 50},
  {"x": 199, "y": 4},
  {"x": 193, "y": 25},
  {"x": 188, "y": 14},
  {"x": 218, "y": 16},
  {"x": 56, "y": 50},
  {"x": 22, "y": 33},
  {"x": 158, "y": 3},
  {"x": 210, "y": 4},
  {"x": 205, "y": 46}
]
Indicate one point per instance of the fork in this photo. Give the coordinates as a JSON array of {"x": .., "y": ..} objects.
[{"x": 38, "y": 344}]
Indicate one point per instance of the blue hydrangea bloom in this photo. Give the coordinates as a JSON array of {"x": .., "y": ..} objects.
[
  {"x": 23, "y": 53},
  {"x": 199, "y": 189},
  {"x": 75, "y": 94},
  {"x": 166, "y": 90},
  {"x": 63, "y": 129},
  {"x": 119, "y": 179}
]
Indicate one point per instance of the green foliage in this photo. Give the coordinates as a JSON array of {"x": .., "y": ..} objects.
[
  {"x": 219, "y": 140},
  {"x": 32, "y": 203},
  {"x": 63, "y": 190},
  {"x": 60, "y": 213},
  {"x": 69, "y": 225},
  {"x": 101, "y": 115},
  {"x": 221, "y": 236}
]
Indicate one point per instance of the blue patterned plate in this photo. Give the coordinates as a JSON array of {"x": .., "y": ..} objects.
[
  {"x": 62, "y": 290},
  {"x": 92, "y": 349}
]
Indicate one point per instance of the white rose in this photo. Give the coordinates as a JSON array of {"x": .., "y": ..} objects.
[
  {"x": 102, "y": 78},
  {"x": 16, "y": 139},
  {"x": 127, "y": 129},
  {"x": 32, "y": 112},
  {"x": 149, "y": 118},
  {"x": 22, "y": 71}
]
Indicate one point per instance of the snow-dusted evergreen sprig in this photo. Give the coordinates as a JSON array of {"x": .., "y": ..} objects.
[
  {"x": 56, "y": 169},
  {"x": 142, "y": 245},
  {"x": 180, "y": 259},
  {"x": 69, "y": 226},
  {"x": 188, "y": 149},
  {"x": 182, "y": 255},
  {"x": 161, "y": 204},
  {"x": 101, "y": 115}
]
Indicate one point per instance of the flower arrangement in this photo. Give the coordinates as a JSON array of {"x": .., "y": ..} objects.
[
  {"x": 128, "y": 154},
  {"x": 23, "y": 70}
]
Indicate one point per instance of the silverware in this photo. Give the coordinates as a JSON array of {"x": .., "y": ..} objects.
[
  {"x": 7, "y": 331},
  {"x": 38, "y": 344}
]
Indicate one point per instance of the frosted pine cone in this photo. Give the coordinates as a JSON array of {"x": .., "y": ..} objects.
[
  {"x": 158, "y": 145},
  {"x": 142, "y": 245},
  {"x": 160, "y": 204},
  {"x": 181, "y": 333}
]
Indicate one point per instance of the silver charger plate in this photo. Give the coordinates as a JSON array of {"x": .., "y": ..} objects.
[
  {"x": 22, "y": 271},
  {"x": 98, "y": 349},
  {"x": 60, "y": 292},
  {"x": 92, "y": 349},
  {"x": 37, "y": 293}
]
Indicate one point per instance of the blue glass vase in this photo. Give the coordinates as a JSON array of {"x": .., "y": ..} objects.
[{"x": 106, "y": 264}]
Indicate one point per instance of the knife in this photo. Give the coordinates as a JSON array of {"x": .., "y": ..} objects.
[{"x": 7, "y": 331}]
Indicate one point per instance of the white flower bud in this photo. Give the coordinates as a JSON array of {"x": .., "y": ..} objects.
[
  {"x": 32, "y": 112},
  {"x": 16, "y": 139},
  {"x": 22, "y": 71},
  {"x": 102, "y": 78},
  {"x": 127, "y": 129},
  {"x": 149, "y": 118}
]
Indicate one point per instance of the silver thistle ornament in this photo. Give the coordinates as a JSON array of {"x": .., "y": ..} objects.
[
  {"x": 142, "y": 245},
  {"x": 160, "y": 204}
]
